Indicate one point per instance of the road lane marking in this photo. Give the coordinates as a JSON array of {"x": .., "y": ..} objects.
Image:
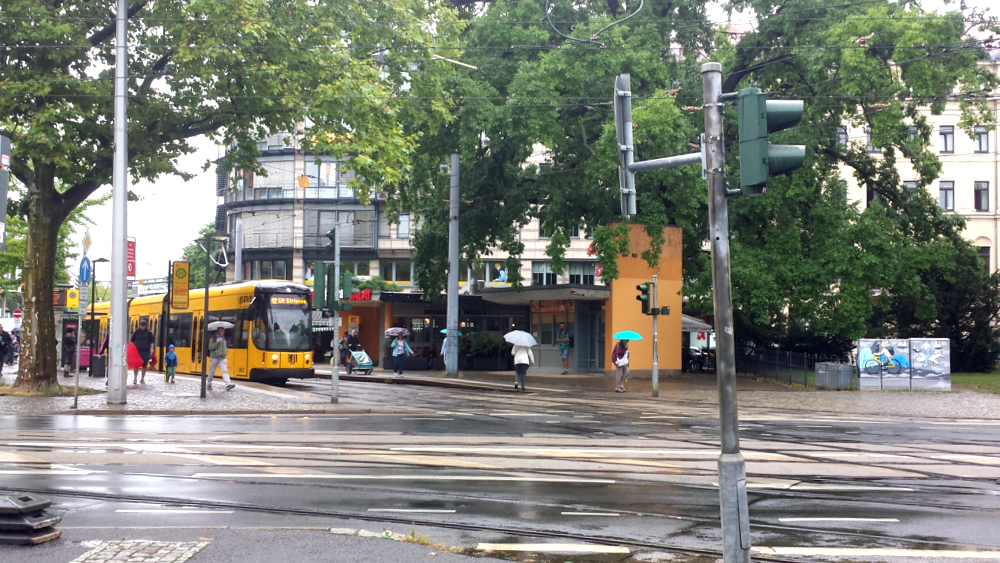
[
  {"x": 590, "y": 514},
  {"x": 552, "y": 547},
  {"x": 80, "y": 472},
  {"x": 929, "y": 554},
  {"x": 171, "y": 511},
  {"x": 425, "y": 418},
  {"x": 820, "y": 487},
  {"x": 412, "y": 510},
  {"x": 895, "y": 520},
  {"x": 571, "y": 480}
]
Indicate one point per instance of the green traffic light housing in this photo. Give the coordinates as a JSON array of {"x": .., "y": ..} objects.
[
  {"x": 347, "y": 288},
  {"x": 643, "y": 296},
  {"x": 332, "y": 245},
  {"x": 760, "y": 160},
  {"x": 319, "y": 286}
]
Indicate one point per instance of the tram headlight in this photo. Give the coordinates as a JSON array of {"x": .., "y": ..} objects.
[
  {"x": 274, "y": 359},
  {"x": 308, "y": 357}
]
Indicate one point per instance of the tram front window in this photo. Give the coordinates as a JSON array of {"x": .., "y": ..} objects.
[{"x": 288, "y": 323}]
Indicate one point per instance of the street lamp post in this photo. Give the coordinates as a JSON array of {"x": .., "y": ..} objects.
[
  {"x": 93, "y": 299},
  {"x": 209, "y": 238}
]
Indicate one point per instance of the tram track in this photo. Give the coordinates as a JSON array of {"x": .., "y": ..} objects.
[{"x": 605, "y": 540}]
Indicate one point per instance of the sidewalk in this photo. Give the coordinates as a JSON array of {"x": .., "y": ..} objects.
[{"x": 183, "y": 397}]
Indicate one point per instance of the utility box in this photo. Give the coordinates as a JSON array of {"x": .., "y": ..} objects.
[{"x": 834, "y": 376}]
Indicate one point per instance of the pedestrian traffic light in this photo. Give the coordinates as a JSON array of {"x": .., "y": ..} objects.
[
  {"x": 759, "y": 160},
  {"x": 643, "y": 296},
  {"x": 347, "y": 288},
  {"x": 319, "y": 286},
  {"x": 332, "y": 246}
]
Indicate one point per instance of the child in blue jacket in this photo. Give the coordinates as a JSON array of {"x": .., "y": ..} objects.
[{"x": 171, "y": 365}]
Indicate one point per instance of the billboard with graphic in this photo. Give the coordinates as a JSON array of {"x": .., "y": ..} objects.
[
  {"x": 931, "y": 359},
  {"x": 917, "y": 363}
]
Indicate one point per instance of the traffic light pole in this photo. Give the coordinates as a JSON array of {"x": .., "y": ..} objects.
[
  {"x": 656, "y": 352},
  {"x": 451, "y": 352},
  {"x": 335, "y": 370},
  {"x": 732, "y": 468}
]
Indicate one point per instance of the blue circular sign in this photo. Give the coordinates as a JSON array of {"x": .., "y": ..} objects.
[{"x": 85, "y": 270}]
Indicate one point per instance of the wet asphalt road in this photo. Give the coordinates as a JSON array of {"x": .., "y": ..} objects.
[{"x": 577, "y": 465}]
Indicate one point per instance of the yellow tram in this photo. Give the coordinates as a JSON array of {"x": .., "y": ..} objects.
[{"x": 271, "y": 338}]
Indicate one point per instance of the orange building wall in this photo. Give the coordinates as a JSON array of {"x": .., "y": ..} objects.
[
  {"x": 369, "y": 333},
  {"x": 624, "y": 312}
]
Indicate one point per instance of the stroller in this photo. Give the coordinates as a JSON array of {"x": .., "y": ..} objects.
[{"x": 361, "y": 361}]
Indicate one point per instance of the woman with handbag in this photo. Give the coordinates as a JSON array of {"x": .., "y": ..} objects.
[{"x": 620, "y": 358}]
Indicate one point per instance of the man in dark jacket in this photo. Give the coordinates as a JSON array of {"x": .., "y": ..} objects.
[
  {"x": 353, "y": 344},
  {"x": 68, "y": 350}
]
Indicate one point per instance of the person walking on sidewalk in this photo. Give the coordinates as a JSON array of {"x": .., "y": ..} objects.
[
  {"x": 563, "y": 339},
  {"x": 343, "y": 350},
  {"x": 217, "y": 351},
  {"x": 68, "y": 350},
  {"x": 353, "y": 345},
  {"x": 522, "y": 359},
  {"x": 170, "y": 365},
  {"x": 400, "y": 349},
  {"x": 144, "y": 344},
  {"x": 620, "y": 358}
]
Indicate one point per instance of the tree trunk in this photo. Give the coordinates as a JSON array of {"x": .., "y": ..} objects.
[{"x": 38, "y": 331}]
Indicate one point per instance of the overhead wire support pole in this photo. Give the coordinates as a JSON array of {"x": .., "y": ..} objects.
[
  {"x": 335, "y": 371},
  {"x": 451, "y": 351},
  {"x": 656, "y": 346},
  {"x": 118, "y": 375},
  {"x": 732, "y": 468}
]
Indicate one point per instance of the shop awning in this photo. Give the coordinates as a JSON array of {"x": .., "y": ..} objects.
[
  {"x": 562, "y": 292},
  {"x": 691, "y": 324}
]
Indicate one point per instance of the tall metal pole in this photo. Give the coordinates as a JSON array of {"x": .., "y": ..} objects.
[
  {"x": 93, "y": 298},
  {"x": 118, "y": 374},
  {"x": 451, "y": 352},
  {"x": 335, "y": 372},
  {"x": 656, "y": 351},
  {"x": 732, "y": 469},
  {"x": 204, "y": 333}
]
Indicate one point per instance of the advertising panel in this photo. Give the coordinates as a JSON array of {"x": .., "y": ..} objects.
[
  {"x": 179, "y": 285},
  {"x": 931, "y": 359}
]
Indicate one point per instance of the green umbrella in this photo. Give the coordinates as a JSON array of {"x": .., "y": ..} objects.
[{"x": 627, "y": 335}]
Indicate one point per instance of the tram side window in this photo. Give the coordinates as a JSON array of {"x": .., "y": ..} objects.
[
  {"x": 182, "y": 330},
  {"x": 260, "y": 329},
  {"x": 233, "y": 339}
]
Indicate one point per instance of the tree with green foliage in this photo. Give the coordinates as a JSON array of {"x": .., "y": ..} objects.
[
  {"x": 195, "y": 254},
  {"x": 805, "y": 260},
  {"x": 344, "y": 75}
]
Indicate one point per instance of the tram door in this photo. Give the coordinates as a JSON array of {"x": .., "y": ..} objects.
[{"x": 197, "y": 340}]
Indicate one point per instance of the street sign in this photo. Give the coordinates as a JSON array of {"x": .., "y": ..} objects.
[
  {"x": 130, "y": 259},
  {"x": 85, "y": 268},
  {"x": 86, "y": 243},
  {"x": 17, "y": 313},
  {"x": 84, "y": 299},
  {"x": 72, "y": 298},
  {"x": 179, "y": 286}
]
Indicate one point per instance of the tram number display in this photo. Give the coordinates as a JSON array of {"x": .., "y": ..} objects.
[{"x": 289, "y": 301}]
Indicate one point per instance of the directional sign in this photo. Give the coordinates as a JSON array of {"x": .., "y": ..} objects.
[{"x": 85, "y": 269}]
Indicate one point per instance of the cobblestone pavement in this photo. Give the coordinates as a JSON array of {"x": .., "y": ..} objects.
[{"x": 141, "y": 551}]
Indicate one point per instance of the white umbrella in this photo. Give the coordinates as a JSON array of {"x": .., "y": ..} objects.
[
  {"x": 216, "y": 325},
  {"x": 520, "y": 338}
]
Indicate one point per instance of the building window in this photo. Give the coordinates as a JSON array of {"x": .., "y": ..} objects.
[
  {"x": 984, "y": 255},
  {"x": 947, "y": 195},
  {"x": 910, "y": 184},
  {"x": 842, "y": 136},
  {"x": 266, "y": 270},
  {"x": 982, "y": 195},
  {"x": 576, "y": 232},
  {"x": 981, "y": 139},
  {"x": 396, "y": 271},
  {"x": 870, "y": 142},
  {"x": 946, "y": 139},
  {"x": 581, "y": 273},
  {"x": 541, "y": 274},
  {"x": 403, "y": 230},
  {"x": 362, "y": 268}
]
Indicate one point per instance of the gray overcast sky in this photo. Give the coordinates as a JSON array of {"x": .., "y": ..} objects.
[{"x": 173, "y": 211}]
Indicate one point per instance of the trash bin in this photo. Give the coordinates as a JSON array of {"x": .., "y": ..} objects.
[{"x": 99, "y": 368}]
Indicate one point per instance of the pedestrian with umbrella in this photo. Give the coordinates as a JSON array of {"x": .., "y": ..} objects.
[
  {"x": 400, "y": 348},
  {"x": 619, "y": 356},
  {"x": 523, "y": 357}
]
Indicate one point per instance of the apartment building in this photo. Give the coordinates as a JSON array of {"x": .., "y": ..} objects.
[{"x": 969, "y": 177}]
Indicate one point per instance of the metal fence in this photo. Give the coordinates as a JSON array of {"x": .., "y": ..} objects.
[{"x": 789, "y": 367}]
